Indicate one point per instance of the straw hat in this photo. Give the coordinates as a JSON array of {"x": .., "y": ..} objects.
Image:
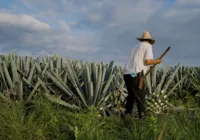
[{"x": 146, "y": 35}]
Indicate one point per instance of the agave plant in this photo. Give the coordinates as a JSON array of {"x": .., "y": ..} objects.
[
  {"x": 16, "y": 77},
  {"x": 80, "y": 85},
  {"x": 67, "y": 82},
  {"x": 119, "y": 93},
  {"x": 160, "y": 86},
  {"x": 185, "y": 88},
  {"x": 195, "y": 80}
]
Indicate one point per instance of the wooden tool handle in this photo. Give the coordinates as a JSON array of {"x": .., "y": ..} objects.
[{"x": 165, "y": 52}]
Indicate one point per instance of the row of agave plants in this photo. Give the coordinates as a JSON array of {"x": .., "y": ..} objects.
[
  {"x": 67, "y": 82},
  {"x": 79, "y": 85}
]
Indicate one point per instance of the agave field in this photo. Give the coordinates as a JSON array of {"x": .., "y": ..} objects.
[
  {"x": 66, "y": 82},
  {"x": 77, "y": 86}
]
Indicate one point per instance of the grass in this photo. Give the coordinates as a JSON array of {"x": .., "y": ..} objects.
[{"x": 42, "y": 120}]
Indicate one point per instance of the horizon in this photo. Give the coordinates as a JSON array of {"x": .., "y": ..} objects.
[
  {"x": 100, "y": 30},
  {"x": 119, "y": 65}
]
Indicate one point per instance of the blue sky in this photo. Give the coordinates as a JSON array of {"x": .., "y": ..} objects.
[{"x": 100, "y": 30}]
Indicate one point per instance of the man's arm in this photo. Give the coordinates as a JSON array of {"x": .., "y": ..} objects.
[
  {"x": 148, "y": 58},
  {"x": 152, "y": 61}
]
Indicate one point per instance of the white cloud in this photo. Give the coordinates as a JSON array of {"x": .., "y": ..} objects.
[
  {"x": 64, "y": 25},
  {"x": 22, "y": 21},
  {"x": 24, "y": 33}
]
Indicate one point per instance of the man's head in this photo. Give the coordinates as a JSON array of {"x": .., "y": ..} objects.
[
  {"x": 146, "y": 40},
  {"x": 146, "y": 37}
]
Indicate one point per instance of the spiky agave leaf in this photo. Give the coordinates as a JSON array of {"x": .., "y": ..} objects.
[{"x": 158, "y": 101}]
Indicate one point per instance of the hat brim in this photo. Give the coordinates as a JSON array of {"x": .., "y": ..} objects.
[{"x": 152, "y": 41}]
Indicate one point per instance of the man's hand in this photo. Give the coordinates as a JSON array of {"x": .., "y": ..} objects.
[{"x": 158, "y": 61}]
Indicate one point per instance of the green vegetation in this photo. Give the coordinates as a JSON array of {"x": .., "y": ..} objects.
[
  {"x": 56, "y": 98},
  {"x": 45, "y": 120}
]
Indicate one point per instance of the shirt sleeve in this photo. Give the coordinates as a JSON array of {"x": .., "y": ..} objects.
[{"x": 148, "y": 53}]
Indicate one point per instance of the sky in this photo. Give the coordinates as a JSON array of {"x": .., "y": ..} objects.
[{"x": 101, "y": 30}]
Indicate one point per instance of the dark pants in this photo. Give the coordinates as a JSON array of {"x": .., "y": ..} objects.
[{"x": 135, "y": 95}]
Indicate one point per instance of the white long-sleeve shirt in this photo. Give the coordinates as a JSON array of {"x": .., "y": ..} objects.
[{"x": 135, "y": 62}]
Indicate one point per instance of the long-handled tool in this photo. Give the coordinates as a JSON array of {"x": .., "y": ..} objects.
[{"x": 141, "y": 79}]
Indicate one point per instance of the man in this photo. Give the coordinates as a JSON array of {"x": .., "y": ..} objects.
[{"x": 139, "y": 60}]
